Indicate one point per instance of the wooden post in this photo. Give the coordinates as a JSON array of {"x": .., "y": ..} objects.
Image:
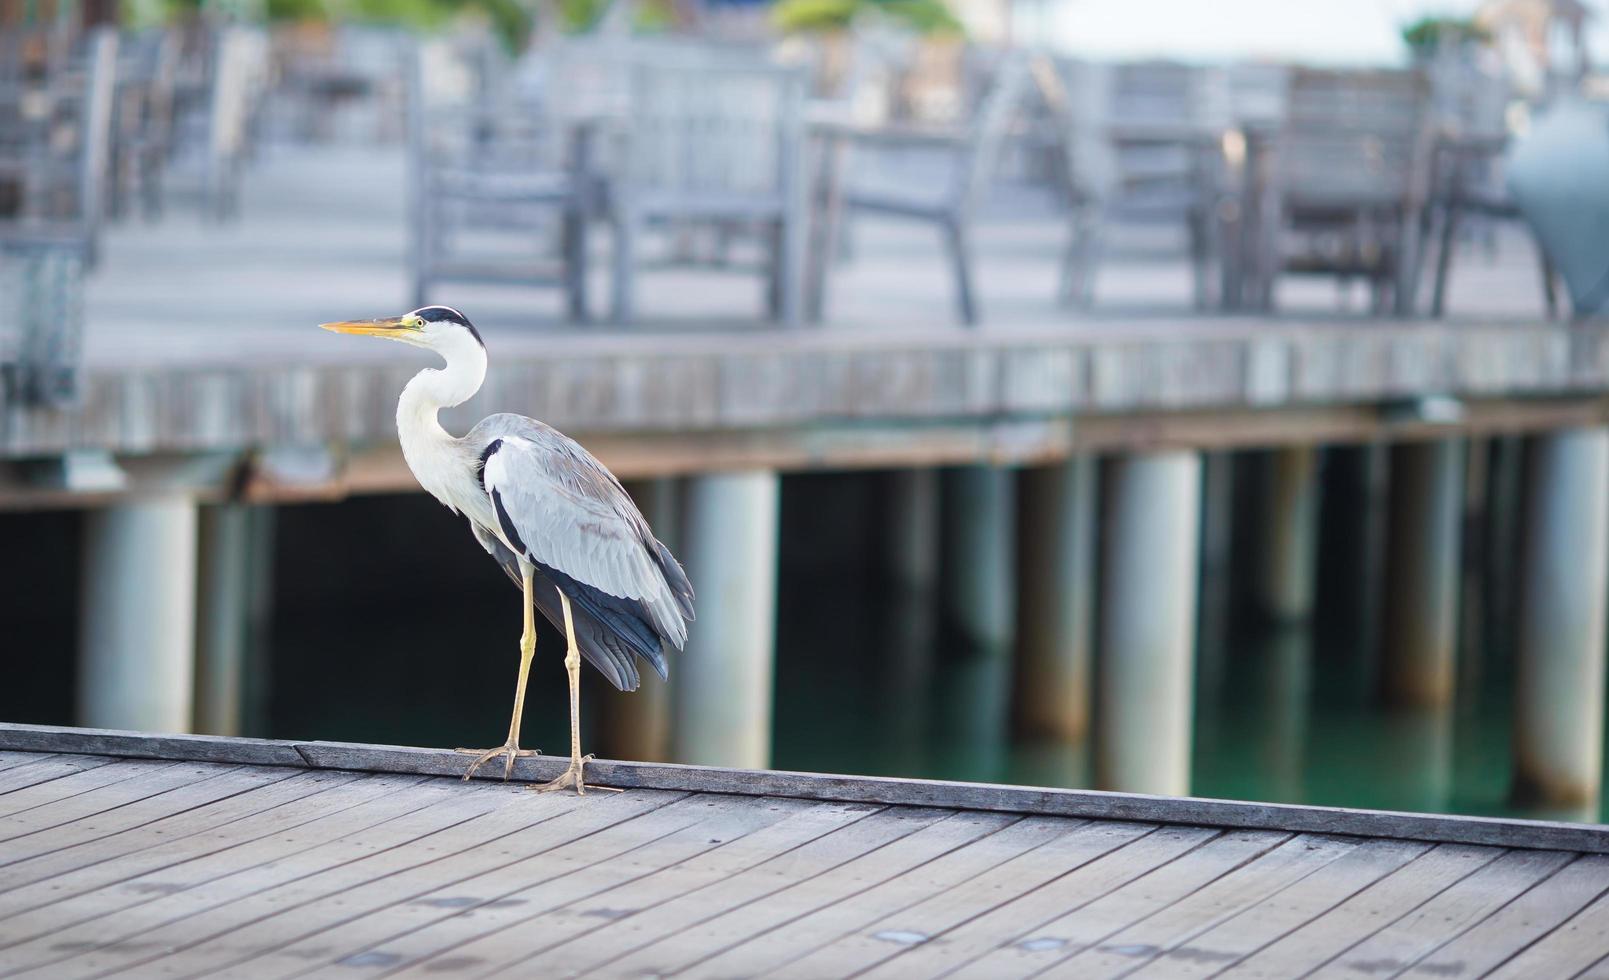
[
  {"x": 1152, "y": 506},
  {"x": 136, "y": 655},
  {"x": 222, "y": 605},
  {"x": 1055, "y": 599},
  {"x": 1558, "y": 729},
  {"x": 1287, "y": 533},
  {"x": 1421, "y": 581},
  {"x": 911, "y": 517},
  {"x": 978, "y": 575},
  {"x": 979, "y": 578},
  {"x": 722, "y": 700}
]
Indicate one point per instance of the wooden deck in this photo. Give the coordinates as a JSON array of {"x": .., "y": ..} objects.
[
  {"x": 186, "y": 856},
  {"x": 201, "y": 352}
]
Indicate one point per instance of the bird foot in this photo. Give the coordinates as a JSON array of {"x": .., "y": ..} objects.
[
  {"x": 510, "y": 749},
  {"x": 571, "y": 777}
]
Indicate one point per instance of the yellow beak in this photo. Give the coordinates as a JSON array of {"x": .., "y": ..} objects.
[{"x": 385, "y": 327}]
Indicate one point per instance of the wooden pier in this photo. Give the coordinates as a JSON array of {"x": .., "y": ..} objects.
[{"x": 136, "y": 855}]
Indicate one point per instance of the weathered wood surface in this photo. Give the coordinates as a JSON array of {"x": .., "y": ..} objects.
[
  {"x": 83, "y": 745},
  {"x": 130, "y": 855}
]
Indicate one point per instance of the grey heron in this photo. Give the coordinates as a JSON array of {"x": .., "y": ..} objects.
[{"x": 555, "y": 518}]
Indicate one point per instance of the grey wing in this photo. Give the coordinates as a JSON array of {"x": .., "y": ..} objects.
[{"x": 561, "y": 509}]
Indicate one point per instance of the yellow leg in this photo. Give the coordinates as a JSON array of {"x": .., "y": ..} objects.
[
  {"x": 511, "y": 748},
  {"x": 572, "y": 666}
]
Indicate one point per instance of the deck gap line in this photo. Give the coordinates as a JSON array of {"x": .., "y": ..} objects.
[
  {"x": 98, "y": 760},
  {"x": 153, "y": 898},
  {"x": 1561, "y": 924},
  {"x": 438, "y": 886},
  {"x": 1244, "y": 862},
  {"x": 875, "y": 922},
  {"x": 1215, "y": 923},
  {"x": 881, "y": 809},
  {"x": 1584, "y": 971},
  {"x": 252, "y": 894},
  {"x": 113, "y": 809},
  {"x": 172, "y": 789},
  {"x": 22, "y": 759},
  {"x": 507, "y": 926},
  {"x": 857, "y": 893},
  {"x": 676, "y": 898},
  {"x": 1218, "y": 834},
  {"x": 1007, "y": 901},
  {"x": 1427, "y": 900},
  {"x": 1326, "y": 910},
  {"x": 362, "y": 777},
  {"x": 569, "y": 936},
  {"x": 814, "y": 803},
  {"x": 969, "y": 878},
  {"x": 1460, "y": 933},
  {"x": 574, "y": 935},
  {"x": 208, "y": 938},
  {"x": 74, "y": 796}
]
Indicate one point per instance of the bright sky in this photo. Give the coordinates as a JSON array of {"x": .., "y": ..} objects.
[{"x": 1314, "y": 31}]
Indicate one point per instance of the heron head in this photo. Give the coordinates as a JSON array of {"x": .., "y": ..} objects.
[{"x": 438, "y": 328}]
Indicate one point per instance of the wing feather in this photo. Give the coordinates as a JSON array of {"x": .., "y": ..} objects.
[{"x": 568, "y": 513}]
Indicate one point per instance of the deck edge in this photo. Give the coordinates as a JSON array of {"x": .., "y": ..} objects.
[{"x": 1086, "y": 804}]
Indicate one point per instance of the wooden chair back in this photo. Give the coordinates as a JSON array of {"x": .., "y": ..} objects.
[{"x": 1354, "y": 139}]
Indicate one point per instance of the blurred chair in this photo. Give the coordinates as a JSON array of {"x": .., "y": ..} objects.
[
  {"x": 1342, "y": 185},
  {"x": 936, "y": 176},
  {"x": 712, "y": 140},
  {"x": 41, "y": 315},
  {"x": 212, "y": 118},
  {"x": 476, "y": 167},
  {"x": 1162, "y": 127},
  {"x": 57, "y": 157},
  {"x": 142, "y": 121},
  {"x": 1467, "y": 184}
]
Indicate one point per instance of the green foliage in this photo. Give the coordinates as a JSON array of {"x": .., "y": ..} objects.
[
  {"x": 821, "y": 16},
  {"x": 1428, "y": 33}
]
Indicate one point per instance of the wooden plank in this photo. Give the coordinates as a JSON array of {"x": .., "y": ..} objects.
[
  {"x": 1521, "y": 922},
  {"x": 70, "y": 871},
  {"x": 254, "y": 918},
  {"x": 1026, "y": 951},
  {"x": 163, "y": 794},
  {"x": 25, "y": 834},
  {"x": 1409, "y": 939},
  {"x": 102, "y": 930},
  {"x": 1085, "y": 804},
  {"x": 1362, "y": 915},
  {"x": 179, "y": 748},
  {"x": 46, "y": 769},
  {"x": 411, "y": 924},
  {"x": 887, "y": 937},
  {"x": 1002, "y": 838},
  {"x": 1216, "y": 902},
  {"x": 1569, "y": 949},
  {"x": 10, "y": 760},
  {"x": 945, "y": 951},
  {"x": 754, "y": 878},
  {"x": 580, "y": 886},
  {"x": 57, "y": 791}
]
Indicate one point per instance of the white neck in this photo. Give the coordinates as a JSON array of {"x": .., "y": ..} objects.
[{"x": 425, "y": 444}]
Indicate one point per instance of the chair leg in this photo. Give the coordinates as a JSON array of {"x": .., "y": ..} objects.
[
  {"x": 1079, "y": 262},
  {"x": 1444, "y": 259},
  {"x": 1550, "y": 290},
  {"x": 1199, "y": 257},
  {"x": 575, "y": 264},
  {"x": 955, "y": 236},
  {"x": 625, "y": 261}
]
